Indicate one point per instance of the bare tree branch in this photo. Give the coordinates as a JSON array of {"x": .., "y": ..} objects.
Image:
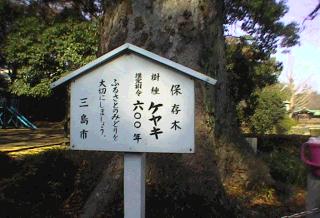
[
  {"x": 314, "y": 13},
  {"x": 299, "y": 93}
]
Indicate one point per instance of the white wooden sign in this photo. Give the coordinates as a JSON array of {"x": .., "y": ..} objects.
[
  {"x": 132, "y": 100},
  {"x": 133, "y": 104}
]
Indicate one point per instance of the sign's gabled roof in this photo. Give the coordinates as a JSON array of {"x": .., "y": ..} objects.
[{"x": 129, "y": 47}]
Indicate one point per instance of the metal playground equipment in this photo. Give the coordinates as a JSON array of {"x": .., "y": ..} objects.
[{"x": 10, "y": 117}]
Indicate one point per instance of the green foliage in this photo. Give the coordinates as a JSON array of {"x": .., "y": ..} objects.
[
  {"x": 250, "y": 69},
  {"x": 248, "y": 57},
  {"x": 285, "y": 125},
  {"x": 261, "y": 19},
  {"x": 268, "y": 113},
  {"x": 8, "y": 11},
  {"x": 45, "y": 43},
  {"x": 286, "y": 166},
  {"x": 282, "y": 154},
  {"x": 40, "y": 53}
]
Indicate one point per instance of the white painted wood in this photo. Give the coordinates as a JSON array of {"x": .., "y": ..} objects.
[
  {"x": 134, "y": 185},
  {"x": 124, "y": 70},
  {"x": 127, "y": 47}
]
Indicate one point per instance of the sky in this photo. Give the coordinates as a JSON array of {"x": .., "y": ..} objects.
[{"x": 304, "y": 59}]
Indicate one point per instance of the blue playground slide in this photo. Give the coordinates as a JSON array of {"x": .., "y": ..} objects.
[{"x": 23, "y": 120}]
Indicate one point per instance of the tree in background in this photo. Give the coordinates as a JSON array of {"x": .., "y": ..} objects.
[
  {"x": 257, "y": 117},
  {"x": 251, "y": 71},
  {"x": 297, "y": 93},
  {"x": 269, "y": 111},
  {"x": 8, "y": 12},
  {"x": 261, "y": 20},
  {"x": 40, "y": 51},
  {"x": 265, "y": 33}
]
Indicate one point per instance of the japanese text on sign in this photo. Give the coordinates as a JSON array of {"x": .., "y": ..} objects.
[{"x": 138, "y": 107}]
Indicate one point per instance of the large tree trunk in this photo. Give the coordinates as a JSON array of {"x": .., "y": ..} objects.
[{"x": 190, "y": 33}]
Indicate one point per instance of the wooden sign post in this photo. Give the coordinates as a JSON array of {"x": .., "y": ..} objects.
[
  {"x": 134, "y": 101},
  {"x": 134, "y": 185}
]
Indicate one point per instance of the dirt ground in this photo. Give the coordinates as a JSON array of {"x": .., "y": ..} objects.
[{"x": 22, "y": 141}]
